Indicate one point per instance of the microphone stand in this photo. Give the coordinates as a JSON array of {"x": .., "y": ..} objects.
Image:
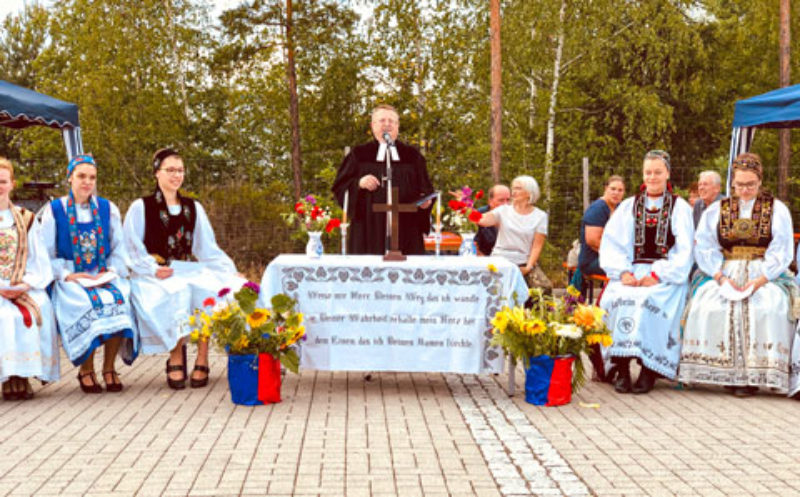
[{"x": 389, "y": 200}]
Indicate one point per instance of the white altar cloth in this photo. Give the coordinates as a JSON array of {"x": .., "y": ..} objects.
[{"x": 425, "y": 314}]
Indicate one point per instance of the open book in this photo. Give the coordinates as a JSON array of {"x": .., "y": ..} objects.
[{"x": 729, "y": 293}]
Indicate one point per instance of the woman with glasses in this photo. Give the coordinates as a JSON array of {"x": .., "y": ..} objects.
[
  {"x": 164, "y": 232},
  {"x": 646, "y": 252},
  {"x": 739, "y": 323},
  {"x": 82, "y": 234}
]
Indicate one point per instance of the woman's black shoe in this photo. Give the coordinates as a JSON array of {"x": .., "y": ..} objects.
[
  {"x": 743, "y": 392},
  {"x": 27, "y": 390},
  {"x": 176, "y": 384},
  {"x": 645, "y": 381},
  {"x": 623, "y": 384},
  {"x": 114, "y": 385},
  {"x": 94, "y": 387},
  {"x": 8, "y": 393},
  {"x": 194, "y": 383}
]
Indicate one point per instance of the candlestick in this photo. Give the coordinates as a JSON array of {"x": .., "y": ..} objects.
[
  {"x": 343, "y": 228},
  {"x": 344, "y": 210},
  {"x": 439, "y": 212}
]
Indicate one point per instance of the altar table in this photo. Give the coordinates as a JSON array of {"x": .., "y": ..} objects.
[{"x": 425, "y": 314}]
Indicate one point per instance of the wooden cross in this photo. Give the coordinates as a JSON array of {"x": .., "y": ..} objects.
[{"x": 393, "y": 209}]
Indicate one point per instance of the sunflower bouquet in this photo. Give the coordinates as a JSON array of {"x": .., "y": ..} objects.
[
  {"x": 553, "y": 326},
  {"x": 237, "y": 326}
]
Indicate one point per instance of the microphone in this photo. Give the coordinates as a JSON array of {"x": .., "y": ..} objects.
[{"x": 388, "y": 139}]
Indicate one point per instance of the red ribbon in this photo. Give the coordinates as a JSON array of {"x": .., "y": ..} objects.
[{"x": 26, "y": 314}]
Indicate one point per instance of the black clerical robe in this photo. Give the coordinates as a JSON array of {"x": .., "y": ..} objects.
[{"x": 367, "y": 232}]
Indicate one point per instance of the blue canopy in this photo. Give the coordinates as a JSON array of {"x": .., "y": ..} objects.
[
  {"x": 775, "y": 109},
  {"x": 21, "y": 107}
]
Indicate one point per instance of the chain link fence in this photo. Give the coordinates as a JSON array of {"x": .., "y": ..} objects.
[{"x": 245, "y": 212}]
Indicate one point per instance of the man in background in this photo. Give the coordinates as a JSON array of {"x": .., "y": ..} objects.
[
  {"x": 709, "y": 186},
  {"x": 486, "y": 237}
]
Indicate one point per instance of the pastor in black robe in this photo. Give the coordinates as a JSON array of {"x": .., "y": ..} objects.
[{"x": 367, "y": 232}]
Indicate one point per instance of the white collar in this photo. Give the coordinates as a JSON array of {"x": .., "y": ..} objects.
[{"x": 382, "y": 153}]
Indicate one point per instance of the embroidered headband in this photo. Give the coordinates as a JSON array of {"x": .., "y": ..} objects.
[
  {"x": 161, "y": 155},
  {"x": 659, "y": 154},
  {"x": 77, "y": 161},
  {"x": 748, "y": 162}
]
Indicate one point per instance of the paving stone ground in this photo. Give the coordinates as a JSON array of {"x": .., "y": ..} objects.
[{"x": 399, "y": 434}]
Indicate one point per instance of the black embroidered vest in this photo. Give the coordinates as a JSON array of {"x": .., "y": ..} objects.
[
  {"x": 167, "y": 237},
  {"x": 754, "y": 232},
  {"x": 652, "y": 230}
]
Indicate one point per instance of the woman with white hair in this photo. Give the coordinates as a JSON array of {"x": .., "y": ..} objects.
[{"x": 522, "y": 229}]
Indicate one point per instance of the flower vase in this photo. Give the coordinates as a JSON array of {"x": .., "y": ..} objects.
[
  {"x": 467, "y": 244},
  {"x": 254, "y": 380},
  {"x": 548, "y": 380},
  {"x": 314, "y": 248}
]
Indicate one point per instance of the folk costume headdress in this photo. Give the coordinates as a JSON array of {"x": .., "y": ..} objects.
[
  {"x": 748, "y": 162},
  {"x": 161, "y": 155},
  {"x": 77, "y": 161}
]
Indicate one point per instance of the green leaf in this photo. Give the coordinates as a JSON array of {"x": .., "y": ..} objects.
[
  {"x": 291, "y": 360},
  {"x": 282, "y": 303},
  {"x": 247, "y": 299}
]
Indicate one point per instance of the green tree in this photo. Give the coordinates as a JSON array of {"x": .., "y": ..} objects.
[{"x": 136, "y": 70}]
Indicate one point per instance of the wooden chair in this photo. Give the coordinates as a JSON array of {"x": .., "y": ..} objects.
[{"x": 590, "y": 280}]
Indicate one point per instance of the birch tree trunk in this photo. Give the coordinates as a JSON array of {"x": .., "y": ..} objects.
[{"x": 551, "y": 114}]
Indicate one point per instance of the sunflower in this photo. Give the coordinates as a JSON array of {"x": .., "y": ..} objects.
[
  {"x": 500, "y": 320},
  {"x": 534, "y": 327},
  {"x": 257, "y": 318}
]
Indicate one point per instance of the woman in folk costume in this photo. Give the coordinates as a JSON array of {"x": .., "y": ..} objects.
[
  {"x": 82, "y": 234},
  {"x": 28, "y": 342},
  {"x": 744, "y": 244},
  {"x": 160, "y": 229},
  {"x": 646, "y": 251}
]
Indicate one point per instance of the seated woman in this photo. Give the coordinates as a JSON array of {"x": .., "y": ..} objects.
[
  {"x": 646, "y": 253},
  {"x": 743, "y": 243},
  {"x": 522, "y": 230},
  {"x": 82, "y": 234},
  {"x": 159, "y": 229},
  {"x": 28, "y": 342}
]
